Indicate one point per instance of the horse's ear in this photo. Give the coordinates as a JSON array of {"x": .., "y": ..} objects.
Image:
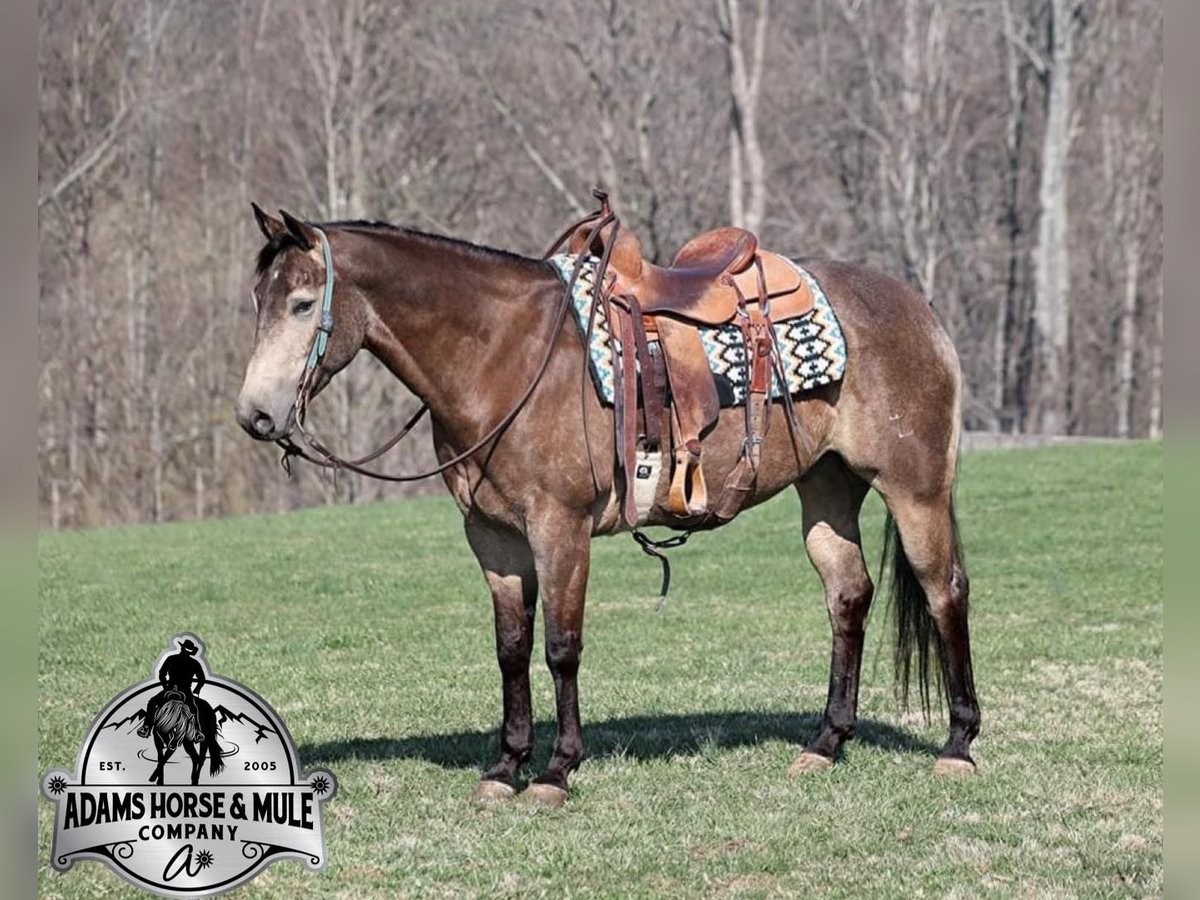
[
  {"x": 270, "y": 226},
  {"x": 305, "y": 234}
]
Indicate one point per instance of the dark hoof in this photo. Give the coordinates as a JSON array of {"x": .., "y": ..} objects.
[
  {"x": 545, "y": 795},
  {"x": 488, "y": 791},
  {"x": 953, "y": 767},
  {"x": 808, "y": 762}
]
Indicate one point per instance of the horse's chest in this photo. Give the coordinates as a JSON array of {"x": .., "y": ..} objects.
[{"x": 477, "y": 494}]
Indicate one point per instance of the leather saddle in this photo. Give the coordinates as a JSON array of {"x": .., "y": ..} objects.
[
  {"x": 718, "y": 278},
  {"x": 704, "y": 284}
]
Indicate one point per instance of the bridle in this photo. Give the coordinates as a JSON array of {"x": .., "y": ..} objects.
[
  {"x": 320, "y": 341},
  {"x": 317, "y": 453}
]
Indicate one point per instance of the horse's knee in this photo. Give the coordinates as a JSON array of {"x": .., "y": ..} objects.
[
  {"x": 512, "y": 653},
  {"x": 563, "y": 650}
]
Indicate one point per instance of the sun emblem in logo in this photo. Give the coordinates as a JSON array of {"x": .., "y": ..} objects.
[
  {"x": 204, "y": 859},
  {"x": 319, "y": 785},
  {"x": 58, "y": 784}
]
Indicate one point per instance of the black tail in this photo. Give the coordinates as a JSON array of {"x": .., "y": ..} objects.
[
  {"x": 216, "y": 762},
  {"x": 916, "y": 632}
]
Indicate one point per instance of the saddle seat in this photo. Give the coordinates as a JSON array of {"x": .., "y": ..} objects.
[{"x": 702, "y": 284}]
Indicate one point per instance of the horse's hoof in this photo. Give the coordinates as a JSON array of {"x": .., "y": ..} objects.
[
  {"x": 545, "y": 795},
  {"x": 809, "y": 762},
  {"x": 488, "y": 791},
  {"x": 951, "y": 766}
]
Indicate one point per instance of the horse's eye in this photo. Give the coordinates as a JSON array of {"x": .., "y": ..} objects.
[{"x": 300, "y": 307}]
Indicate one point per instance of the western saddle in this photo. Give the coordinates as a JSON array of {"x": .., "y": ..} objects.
[{"x": 718, "y": 278}]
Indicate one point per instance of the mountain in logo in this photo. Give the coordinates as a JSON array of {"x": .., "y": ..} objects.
[
  {"x": 227, "y": 715},
  {"x": 128, "y": 720},
  {"x": 224, "y": 714}
]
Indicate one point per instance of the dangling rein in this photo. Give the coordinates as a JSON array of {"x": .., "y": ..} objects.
[{"x": 317, "y": 453}]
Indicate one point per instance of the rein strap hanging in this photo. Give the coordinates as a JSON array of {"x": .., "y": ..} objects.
[{"x": 318, "y": 454}]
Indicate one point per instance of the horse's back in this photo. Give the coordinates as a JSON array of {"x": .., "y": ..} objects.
[{"x": 898, "y": 409}]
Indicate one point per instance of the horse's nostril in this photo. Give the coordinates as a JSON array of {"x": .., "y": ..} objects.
[{"x": 262, "y": 423}]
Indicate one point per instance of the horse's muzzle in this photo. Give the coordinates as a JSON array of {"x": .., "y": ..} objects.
[{"x": 261, "y": 424}]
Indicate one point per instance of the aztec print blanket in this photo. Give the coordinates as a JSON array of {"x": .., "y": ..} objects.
[{"x": 812, "y": 346}]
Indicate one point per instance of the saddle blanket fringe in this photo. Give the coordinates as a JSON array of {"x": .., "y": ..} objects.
[{"x": 812, "y": 346}]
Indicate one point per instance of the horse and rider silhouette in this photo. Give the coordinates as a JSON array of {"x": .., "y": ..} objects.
[{"x": 177, "y": 716}]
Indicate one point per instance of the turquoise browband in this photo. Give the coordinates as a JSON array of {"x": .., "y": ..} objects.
[{"x": 321, "y": 341}]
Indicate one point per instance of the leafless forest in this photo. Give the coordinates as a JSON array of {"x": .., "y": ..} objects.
[{"x": 1003, "y": 155}]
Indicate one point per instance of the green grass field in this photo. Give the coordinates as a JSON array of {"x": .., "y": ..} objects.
[{"x": 369, "y": 630}]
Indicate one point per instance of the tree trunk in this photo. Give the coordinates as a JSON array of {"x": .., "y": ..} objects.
[
  {"x": 910, "y": 111},
  {"x": 1053, "y": 262},
  {"x": 1127, "y": 337},
  {"x": 747, "y": 166},
  {"x": 1014, "y": 140},
  {"x": 1155, "y": 428}
]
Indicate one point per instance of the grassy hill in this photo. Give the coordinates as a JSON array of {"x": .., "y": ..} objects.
[{"x": 369, "y": 630}]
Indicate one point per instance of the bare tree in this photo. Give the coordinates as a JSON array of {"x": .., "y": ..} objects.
[
  {"x": 747, "y": 166},
  {"x": 1052, "y": 306},
  {"x": 1008, "y": 167}
]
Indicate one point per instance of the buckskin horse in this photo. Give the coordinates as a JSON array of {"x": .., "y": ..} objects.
[{"x": 520, "y": 453}]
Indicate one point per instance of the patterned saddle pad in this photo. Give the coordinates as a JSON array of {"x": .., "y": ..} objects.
[{"x": 812, "y": 346}]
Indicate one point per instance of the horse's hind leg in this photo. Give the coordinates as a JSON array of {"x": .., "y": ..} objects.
[
  {"x": 832, "y": 496},
  {"x": 196, "y": 752},
  {"x": 931, "y": 595},
  {"x": 164, "y": 754},
  {"x": 507, "y": 564}
]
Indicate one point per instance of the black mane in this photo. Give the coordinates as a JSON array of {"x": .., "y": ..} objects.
[{"x": 283, "y": 240}]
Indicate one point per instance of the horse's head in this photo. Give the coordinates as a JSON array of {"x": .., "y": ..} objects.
[{"x": 288, "y": 291}]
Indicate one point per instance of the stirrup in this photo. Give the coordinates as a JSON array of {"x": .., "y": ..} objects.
[{"x": 689, "y": 494}]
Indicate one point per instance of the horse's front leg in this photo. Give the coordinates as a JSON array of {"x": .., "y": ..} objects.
[
  {"x": 562, "y": 552},
  {"x": 507, "y": 564}
]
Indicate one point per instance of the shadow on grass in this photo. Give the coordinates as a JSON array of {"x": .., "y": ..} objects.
[{"x": 633, "y": 737}]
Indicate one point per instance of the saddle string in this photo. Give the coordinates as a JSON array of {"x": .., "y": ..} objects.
[
  {"x": 601, "y": 296},
  {"x": 605, "y": 216},
  {"x": 796, "y": 434}
]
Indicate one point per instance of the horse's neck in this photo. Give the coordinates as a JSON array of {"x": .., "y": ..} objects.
[{"x": 464, "y": 329}]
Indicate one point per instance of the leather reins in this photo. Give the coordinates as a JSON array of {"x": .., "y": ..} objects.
[{"x": 317, "y": 453}]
